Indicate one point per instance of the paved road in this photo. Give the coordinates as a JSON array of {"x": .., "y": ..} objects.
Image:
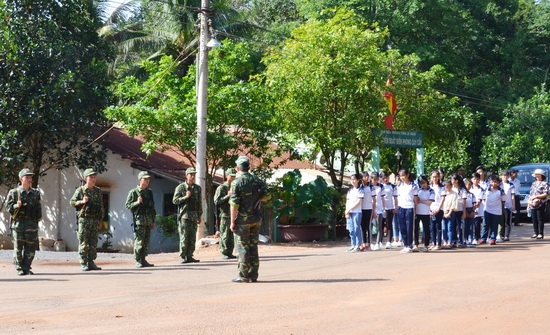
[{"x": 303, "y": 289}]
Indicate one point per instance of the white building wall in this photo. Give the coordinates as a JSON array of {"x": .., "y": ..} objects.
[{"x": 59, "y": 218}]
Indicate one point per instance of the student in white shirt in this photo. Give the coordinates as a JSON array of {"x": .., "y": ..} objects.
[
  {"x": 389, "y": 194},
  {"x": 479, "y": 209},
  {"x": 494, "y": 199},
  {"x": 509, "y": 207},
  {"x": 407, "y": 199},
  {"x": 426, "y": 196},
  {"x": 354, "y": 198},
  {"x": 517, "y": 184}
]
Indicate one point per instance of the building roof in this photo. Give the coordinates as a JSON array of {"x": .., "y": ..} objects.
[{"x": 171, "y": 163}]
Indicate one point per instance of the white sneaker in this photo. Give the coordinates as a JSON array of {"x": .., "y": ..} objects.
[
  {"x": 350, "y": 249},
  {"x": 396, "y": 244},
  {"x": 499, "y": 239},
  {"x": 414, "y": 249},
  {"x": 405, "y": 250},
  {"x": 388, "y": 245},
  {"x": 474, "y": 242},
  {"x": 400, "y": 244},
  {"x": 375, "y": 247}
]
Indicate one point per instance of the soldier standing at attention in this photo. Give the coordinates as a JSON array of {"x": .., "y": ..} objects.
[
  {"x": 23, "y": 204},
  {"x": 247, "y": 191},
  {"x": 88, "y": 200},
  {"x": 221, "y": 200},
  {"x": 188, "y": 198},
  {"x": 140, "y": 202}
]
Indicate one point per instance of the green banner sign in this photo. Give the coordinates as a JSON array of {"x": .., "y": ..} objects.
[{"x": 400, "y": 138}]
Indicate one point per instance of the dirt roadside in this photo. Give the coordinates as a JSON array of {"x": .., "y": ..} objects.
[{"x": 303, "y": 289}]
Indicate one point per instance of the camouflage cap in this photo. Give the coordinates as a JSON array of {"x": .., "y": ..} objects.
[
  {"x": 231, "y": 172},
  {"x": 89, "y": 172},
  {"x": 25, "y": 172},
  {"x": 143, "y": 174},
  {"x": 242, "y": 160},
  {"x": 190, "y": 170}
]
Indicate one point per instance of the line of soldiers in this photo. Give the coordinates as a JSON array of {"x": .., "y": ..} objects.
[{"x": 238, "y": 200}]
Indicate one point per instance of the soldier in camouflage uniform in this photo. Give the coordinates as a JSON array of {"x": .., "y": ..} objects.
[
  {"x": 140, "y": 202},
  {"x": 23, "y": 203},
  {"x": 88, "y": 200},
  {"x": 188, "y": 198},
  {"x": 221, "y": 200},
  {"x": 247, "y": 191}
]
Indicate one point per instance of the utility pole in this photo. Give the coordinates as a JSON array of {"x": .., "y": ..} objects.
[{"x": 202, "y": 90}]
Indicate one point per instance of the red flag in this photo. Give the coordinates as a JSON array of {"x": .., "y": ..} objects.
[{"x": 392, "y": 105}]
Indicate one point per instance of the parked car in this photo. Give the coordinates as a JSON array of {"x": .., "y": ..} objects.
[{"x": 525, "y": 176}]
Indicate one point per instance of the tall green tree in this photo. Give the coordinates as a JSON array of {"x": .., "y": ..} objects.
[
  {"x": 329, "y": 80},
  {"x": 522, "y": 135},
  {"x": 53, "y": 84},
  {"x": 162, "y": 108}
]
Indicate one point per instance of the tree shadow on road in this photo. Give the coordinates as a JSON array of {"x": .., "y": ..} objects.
[{"x": 324, "y": 281}]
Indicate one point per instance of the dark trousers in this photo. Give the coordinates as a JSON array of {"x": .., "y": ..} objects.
[
  {"x": 389, "y": 224},
  {"x": 366, "y": 218},
  {"x": 538, "y": 219},
  {"x": 405, "y": 218},
  {"x": 517, "y": 218},
  {"x": 425, "y": 219},
  {"x": 435, "y": 228}
]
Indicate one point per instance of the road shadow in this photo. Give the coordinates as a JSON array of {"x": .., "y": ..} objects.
[{"x": 323, "y": 281}]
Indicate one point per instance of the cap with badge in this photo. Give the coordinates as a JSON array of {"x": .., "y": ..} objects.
[
  {"x": 231, "y": 172},
  {"x": 89, "y": 172},
  {"x": 190, "y": 170},
  {"x": 143, "y": 175},
  {"x": 25, "y": 172},
  {"x": 242, "y": 161}
]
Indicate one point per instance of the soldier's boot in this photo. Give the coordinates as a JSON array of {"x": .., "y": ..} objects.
[
  {"x": 92, "y": 266},
  {"x": 147, "y": 264}
]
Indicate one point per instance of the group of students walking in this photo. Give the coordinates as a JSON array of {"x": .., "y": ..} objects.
[{"x": 432, "y": 213}]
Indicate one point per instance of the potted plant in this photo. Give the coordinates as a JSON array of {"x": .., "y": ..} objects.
[{"x": 302, "y": 211}]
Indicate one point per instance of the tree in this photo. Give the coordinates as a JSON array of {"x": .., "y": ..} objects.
[
  {"x": 162, "y": 109},
  {"x": 53, "y": 83},
  {"x": 522, "y": 134},
  {"x": 329, "y": 79}
]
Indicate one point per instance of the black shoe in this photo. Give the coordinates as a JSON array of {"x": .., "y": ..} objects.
[
  {"x": 192, "y": 260},
  {"x": 92, "y": 266},
  {"x": 21, "y": 273},
  {"x": 29, "y": 272},
  {"x": 147, "y": 264},
  {"x": 254, "y": 280},
  {"x": 232, "y": 256},
  {"x": 85, "y": 268},
  {"x": 241, "y": 280}
]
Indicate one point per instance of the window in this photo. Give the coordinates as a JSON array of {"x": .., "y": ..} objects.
[{"x": 105, "y": 224}]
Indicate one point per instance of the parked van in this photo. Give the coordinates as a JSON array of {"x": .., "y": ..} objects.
[{"x": 525, "y": 176}]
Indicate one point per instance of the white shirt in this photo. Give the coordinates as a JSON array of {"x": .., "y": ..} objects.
[
  {"x": 406, "y": 194},
  {"x": 353, "y": 195},
  {"x": 493, "y": 201},
  {"x": 424, "y": 195},
  {"x": 510, "y": 192},
  {"x": 378, "y": 192},
  {"x": 389, "y": 193},
  {"x": 462, "y": 194},
  {"x": 478, "y": 193},
  {"x": 369, "y": 194},
  {"x": 439, "y": 192}
]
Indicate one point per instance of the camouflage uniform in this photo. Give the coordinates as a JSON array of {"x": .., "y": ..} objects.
[
  {"x": 189, "y": 214},
  {"x": 144, "y": 218},
  {"x": 90, "y": 215},
  {"x": 247, "y": 192},
  {"x": 227, "y": 240},
  {"x": 24, "y": 226}
]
